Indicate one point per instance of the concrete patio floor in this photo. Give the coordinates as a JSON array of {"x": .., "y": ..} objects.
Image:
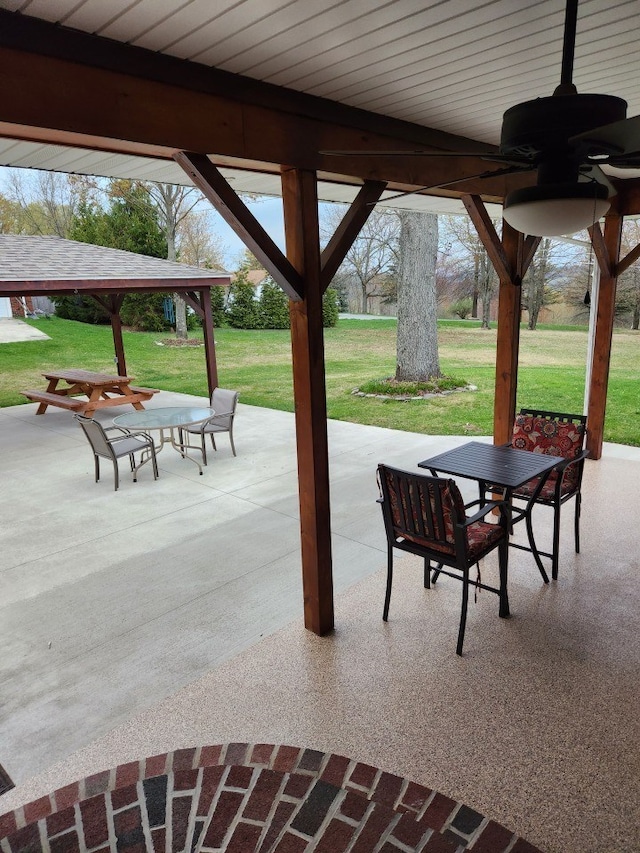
[{"x": 168, "y": 615}]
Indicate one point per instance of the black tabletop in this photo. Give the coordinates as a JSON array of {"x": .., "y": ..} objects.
[{"x": 500, "y": 466}]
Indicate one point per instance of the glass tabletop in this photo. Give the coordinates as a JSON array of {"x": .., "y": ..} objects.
[{"x": 164, "y": 418}]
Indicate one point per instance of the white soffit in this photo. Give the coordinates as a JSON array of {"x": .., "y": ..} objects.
[{"x": 57, "y": 158}]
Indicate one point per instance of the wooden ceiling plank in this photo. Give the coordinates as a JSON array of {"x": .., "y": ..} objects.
[
  {"x": 236, "y": 214},
  {"x": 360, "y": 210}
]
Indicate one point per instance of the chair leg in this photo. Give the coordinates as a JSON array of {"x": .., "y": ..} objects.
[
  {"x": 116, "y": 474},
  {"x": 427, "y": 573},
  {"x": 233, "y": 447},
  {"x": 204, "y": 448},
  {"x": 387, "y": 597},
  {"x": 436, "y": 573},
  {"x": 576, "y": 523},
  {"x": 556, "y": 542},
  {"x": 503, "y": 562},
  {"x": 96, "y": 460},
  {"x": 463, "y": 612},
  {"x": 154, "y": 462}
]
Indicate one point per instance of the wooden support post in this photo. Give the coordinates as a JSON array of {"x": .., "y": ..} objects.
[
  {"x": 610, "y": 247},
  {"x": 508, "y": 341},
  {"x": 209, "y": 342},
  {"x": 300, "y": 200},
  {"x": 113, "y": 304}
]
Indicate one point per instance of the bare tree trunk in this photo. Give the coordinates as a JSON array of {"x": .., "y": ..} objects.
[{"x": 417, "y": 350}]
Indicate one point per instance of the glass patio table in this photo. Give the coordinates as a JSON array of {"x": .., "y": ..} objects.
[
  {"x": 167, "y": 420},
  {"x": 499, "y": 468}
]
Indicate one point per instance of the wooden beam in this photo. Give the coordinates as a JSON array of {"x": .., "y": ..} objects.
[
  {"x": 236, "y": 214},
  {"x": 360, "y": 210},
  {"x": 628, "y": 260},
  {"x": 603, "y": 336},
  {"x": 209, "y": 342},
  {"x": 508, "y": 340},
  {"x": 115, "y": 301},
  {"x": 193, "y": 301},
  {"x": 300, "y": 199},
  {"x": 600, "y": 250},
  {"x": 489, "y": 236},
  {"x": 529, "y": 248},
  {"x": 105, "y": 286}
]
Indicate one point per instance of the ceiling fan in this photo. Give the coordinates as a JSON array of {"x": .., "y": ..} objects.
[{"x": 567, "y": 138}]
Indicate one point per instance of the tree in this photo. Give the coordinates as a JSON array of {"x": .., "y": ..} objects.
[
  {"x": 371, "y": 259},
  {"x": 474, "y": 269},
  {"x": 273, "y": 306},
  {"x": 218, "y": 305},
  {"x": 198, "y": 245},
  {"x": 536, "y": 286},
  {"x": 45, "y": 202},
  {"x": 417, "y": 348},
  {"x": 242, "y": 309},
  {"x": 628, "y": 290},
  {"x": 330, "y": 308},
  {"x": 171, "y": 204}
]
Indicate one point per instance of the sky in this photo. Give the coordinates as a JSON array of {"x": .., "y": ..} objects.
[{"x": 268, "y": 212}]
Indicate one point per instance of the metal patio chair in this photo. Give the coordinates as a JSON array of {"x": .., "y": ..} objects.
[
  {"x": 426, "y": 516},
  {"x": 224, "y": 403},
  {"x": 115, "y": 447}
]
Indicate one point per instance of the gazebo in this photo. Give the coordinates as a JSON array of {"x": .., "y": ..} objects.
[
  {"x": 52, "y": 266},
  {"x": 391, "y": 98}
]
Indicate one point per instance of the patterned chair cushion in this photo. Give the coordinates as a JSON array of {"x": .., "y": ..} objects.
[
  {"x": 555, "y": 438},
  {"x": 543, "y": 435}
]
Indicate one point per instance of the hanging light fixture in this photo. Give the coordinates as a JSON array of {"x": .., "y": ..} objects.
[{"x": 549, "y": 210}]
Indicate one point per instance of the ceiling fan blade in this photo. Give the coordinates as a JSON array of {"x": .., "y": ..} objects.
[
  {"x": 595, "y": 173},
  {"x": 621, "y": 136},
  {"x": 509, "y": 170}
]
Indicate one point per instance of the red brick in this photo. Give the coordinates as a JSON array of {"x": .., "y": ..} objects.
[
  {"x": 159, "y": 839},
  {"x": 94, "y": 821},
  {"x": 67, "y": 796},
  {"x": 387, "y": 789},
  {"x": 185, "y": 780},
  {"x": 377, "y": 823},
  {"x": 67, "y": 843},
  {"x": 363, "y": 775},
  {"x": 239, "y": 777},
  {"x": 126, "y": 822},
  {"x": 209, "y": 755},
  {"x": 286, "y": 759},
  {"x": 263, "y": 795},
  {"x": 211, "y": 777},
  {"x": 59, "y": 821},
  {"x": 336, "y": 838},
  {"x": 122, "y": 797},
  {"x": 291, "y": 844},
  {"x": 438, "y": 844},
  {"x": 245, "y": 838},
  {"x": 37, "y": 809},
  {"x": 127, "y": 774},
  {"x": 409, "y": 831},
  {"x": 236, "y": 753},
  {"x": 334, "y": 772},
  {"x": 354, "y": 806},
  {"x": 183, "y": 759},
  {"x": 225, "y": 811},
  {"x": 97, "y": 783},
  {"x": 26, "y": 840},
  {"x": 438, "y": 810},
  {"x": 298, "y": 785},
  {"x": 180, "y": 810},
  {"x": 279, "y": 820},
  {"x": 415, "y": 796},
  {"x": 261, "y": 753},
  {"x": 156, "y": 765},
  {"x": 8, "y": 824},
  {"x": 494, "y": 838}
]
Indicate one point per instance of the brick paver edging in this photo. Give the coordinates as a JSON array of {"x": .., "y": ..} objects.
[{"x": 250, "y": 798}]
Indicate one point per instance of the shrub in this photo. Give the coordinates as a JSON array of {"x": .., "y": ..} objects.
[
  {"x": 462, "y": 308},
  {"x": 84, "y": 309},
  {"x": 218, "y": 308},
  {"x": 330, "y": 307},
  {"x": 273, "y": 306},
  {"x": 242, "y": 311}
]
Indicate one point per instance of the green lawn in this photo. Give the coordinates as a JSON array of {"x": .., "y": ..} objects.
[{"x": 258, "y": 364}]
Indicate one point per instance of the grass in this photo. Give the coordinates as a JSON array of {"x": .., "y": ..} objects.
[{"x": 258, "y": 364}]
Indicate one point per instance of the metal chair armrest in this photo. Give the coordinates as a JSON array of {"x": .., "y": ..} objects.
[{"x": 490, "y": 505}]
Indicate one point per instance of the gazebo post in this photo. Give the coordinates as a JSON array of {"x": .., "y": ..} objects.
[
  {"x": 115, "y": 303},
  {"x": 209, "y": 342}
]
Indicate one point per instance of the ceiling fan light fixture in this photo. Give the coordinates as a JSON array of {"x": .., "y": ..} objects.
[{"x": 551, "y": 210}]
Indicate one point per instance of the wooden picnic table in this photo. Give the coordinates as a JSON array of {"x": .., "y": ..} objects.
[{"x": 100, "y": 389}]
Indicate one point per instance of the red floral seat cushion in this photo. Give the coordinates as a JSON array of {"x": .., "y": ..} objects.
[{"x": 555, "y": 438}]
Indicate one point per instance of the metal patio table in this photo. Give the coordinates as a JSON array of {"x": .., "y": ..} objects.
[
  {"x": 167, "y": 420},
  {"x": 503, "y": 468}
]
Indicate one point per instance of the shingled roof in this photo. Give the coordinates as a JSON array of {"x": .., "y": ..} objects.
[{"x": 27, "y": 260}]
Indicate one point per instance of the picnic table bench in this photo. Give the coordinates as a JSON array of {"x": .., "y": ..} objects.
[{"x": 100, "y": 389}]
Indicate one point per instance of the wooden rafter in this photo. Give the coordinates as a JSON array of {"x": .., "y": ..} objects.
[
  {"x": 488, "y": 234},
  {"x": 360, "y": 210},
  {"x": 628, "y": 260},
  {"x": 600, "y": 251},
  {"x": 236, "y": 214}
]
